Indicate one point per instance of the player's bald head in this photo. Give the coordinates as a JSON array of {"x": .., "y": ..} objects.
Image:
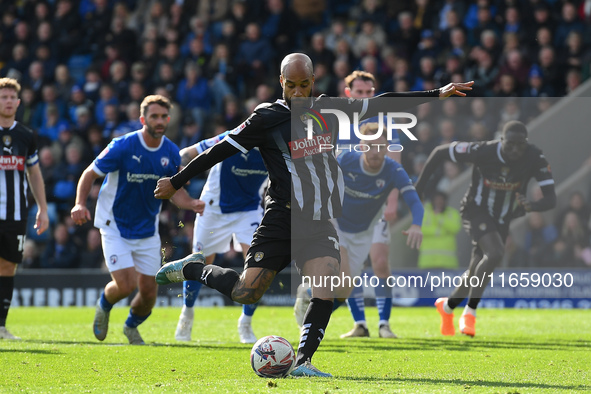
[{"x": 297, "y": 61}]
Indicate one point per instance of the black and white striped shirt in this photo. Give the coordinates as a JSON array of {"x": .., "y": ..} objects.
[
  {"x": 19, "y": 150},
  {"x": 495, "y": 182}
]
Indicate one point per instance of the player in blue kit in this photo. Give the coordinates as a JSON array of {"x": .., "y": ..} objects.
[
  {"x": 127, "y": 213},
  {"x": 369, "y": 179},
  {"x": 232, "y": 194}
]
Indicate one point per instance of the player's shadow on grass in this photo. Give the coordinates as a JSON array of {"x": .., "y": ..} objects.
[
  {"x": 454, "y": 344},
  {"x": 35, "y": 351},
  {"x": 209, "y": 345},
  {"x": 466, "y": 384}
]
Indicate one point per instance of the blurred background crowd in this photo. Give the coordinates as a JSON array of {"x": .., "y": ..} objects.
[{"x": 85, "y": 65}]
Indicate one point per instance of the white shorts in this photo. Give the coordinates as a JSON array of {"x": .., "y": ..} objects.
[
  {"x": 358, "y": 246},
  {"x": 143, "y": 254},
  {"x": 381, "y": 233},
  {"x": 214, "y": 231}
]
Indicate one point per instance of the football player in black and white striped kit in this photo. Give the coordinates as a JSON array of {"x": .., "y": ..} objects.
[
  {"x": 305, "y": 191},
  {"x": 19, "y": 170},
  {"x": 501, "y": 171}
]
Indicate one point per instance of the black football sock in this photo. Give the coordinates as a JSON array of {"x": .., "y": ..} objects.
[
  {"x": 461, "y": 292},
  {"x": 6, "y": 289},
  {"x": 216, "y": 277},
  {"x": 315, "y": 322}
]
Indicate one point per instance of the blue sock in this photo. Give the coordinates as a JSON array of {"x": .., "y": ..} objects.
[
  {"x": 337, "y": 302},
  {"x": 190, "y": 292},
  {"x": 383, "y": 300},
  {"x": 356, "y": 304},
  {"x": 248, "y": 310},
  {"x": 134, "y": 320},
  {"x": 106, "y": 305}
]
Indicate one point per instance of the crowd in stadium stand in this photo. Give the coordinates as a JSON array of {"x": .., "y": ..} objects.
[{"x": 85, "y": 65}]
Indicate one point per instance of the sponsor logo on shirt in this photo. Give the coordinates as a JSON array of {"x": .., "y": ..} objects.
[
  {"x": 310, "y": 146},
  {"x": 506, "y": 186},
  {"x": 8, "y": 163},
  {"x": 247, "y": 171},
  {"x": 140, "y": 178}
]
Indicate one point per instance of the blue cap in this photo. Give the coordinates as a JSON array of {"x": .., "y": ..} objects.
[
  {"x": 427, "y": 34},
  {"x": 535, "y": 72}
]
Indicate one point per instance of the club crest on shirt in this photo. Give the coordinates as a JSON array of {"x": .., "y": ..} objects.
[
  {"x": 380, "y": 183},
  {"x": 7, "y": 140},
  {"x": 164, "y": 161},
  {"x": 462, "y": 147},
  {"x": 258, "y": 256}
]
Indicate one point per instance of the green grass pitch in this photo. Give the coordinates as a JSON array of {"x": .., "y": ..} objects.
[{"x": 515, "y": 351}]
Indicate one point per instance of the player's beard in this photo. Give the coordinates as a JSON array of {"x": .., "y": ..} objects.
[
  {"x": 156, "y": 134},
  {"x": 288, "y": 101}
]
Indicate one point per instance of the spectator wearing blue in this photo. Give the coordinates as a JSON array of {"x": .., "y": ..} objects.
[
  {"x": 111, "y": 116},
  {"x": 60, "y": 252},
  {"x": 132, "y": 123},
  {"x": 471, "y": 17},
  {"x": 107, "y": 97},
  {"x": 254, "y": 55},
  {"x": 66, "y": 175},
  {"x": 222, "y": 75},
  {"x": 92, "y": 84},
  {"x": 193, "y": 93},
  {"x": 281, "y": 25},
  {"x": 535, "y": 86},
  {"x": 539, "y": 240},
  {"x": 198, "y": 29},
  {"x": 78, "y": 100},
  {"x": 53, "y": 124},
  {"x": 49, "y": 97},
  {"x": 427, "y": 47},
  {"x": 568, "y": 23},
  {"x": 485, "y": 22}
]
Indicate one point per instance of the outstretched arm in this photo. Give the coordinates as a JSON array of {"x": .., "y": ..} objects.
[
  {"x": 166, "y": 187},
  {"x": 435, "y": 160}
]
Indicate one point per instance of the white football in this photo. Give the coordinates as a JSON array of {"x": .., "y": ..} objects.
[{"x": 272, "y": 357}]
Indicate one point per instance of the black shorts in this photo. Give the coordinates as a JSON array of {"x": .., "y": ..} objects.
[
  {"x": 278, "y": 241},
  {"x": 478, "y": 222},
  {"x": 12, "y": 239}
]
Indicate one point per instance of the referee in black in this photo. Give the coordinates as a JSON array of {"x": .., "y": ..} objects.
[{"x": 304, "y": 193}]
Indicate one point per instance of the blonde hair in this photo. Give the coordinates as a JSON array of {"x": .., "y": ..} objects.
[
  {"x": 357, "y": 74},
  {"x": 10, "y": 83}
]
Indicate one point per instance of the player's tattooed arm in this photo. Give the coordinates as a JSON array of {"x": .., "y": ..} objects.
[{"x": 250, "y": 288}]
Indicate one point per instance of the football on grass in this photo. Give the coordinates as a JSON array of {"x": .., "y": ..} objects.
[{"x": 272, "y": 357}]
